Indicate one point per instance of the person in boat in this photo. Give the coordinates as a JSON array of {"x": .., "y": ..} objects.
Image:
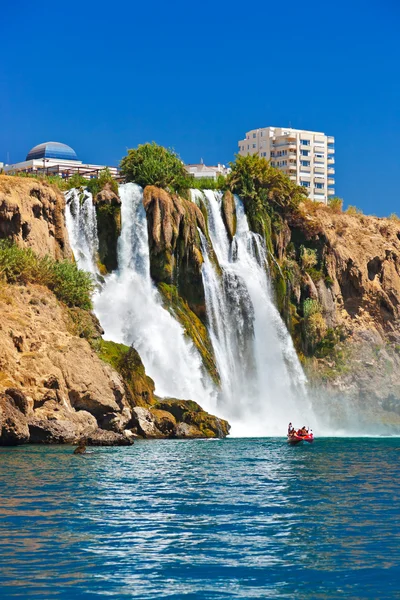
[{"x": 290, "y": 429}]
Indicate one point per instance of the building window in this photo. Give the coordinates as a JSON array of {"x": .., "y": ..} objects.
[
  {"x": 319, "y": 155},
  {"x": 254, "y": 135},
  {"x": 261, "y": 133},
  {"x": 319, "y": 186},
  {"x": 305, "y": 184},
  {"x": 305, "y": 163},
  {"x": 272, "y": 153},
  {"x": 248, "y": 147},
  {"x": 305, "y": 142},
  {"x": 305, "y": 152},
  {"x": 254, "y": 145},
  {"x": 272, "y": 164}
]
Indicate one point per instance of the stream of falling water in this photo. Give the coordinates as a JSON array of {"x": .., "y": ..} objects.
[
  {"x": 263, "y": 384},
  {"x": 129, "y": 306}
]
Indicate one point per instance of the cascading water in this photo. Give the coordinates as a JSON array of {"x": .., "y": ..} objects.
[
  {"x": 129, "y": 306},
  {"x": 263, "y": 384},
  {"x": 81, "y": 223}
]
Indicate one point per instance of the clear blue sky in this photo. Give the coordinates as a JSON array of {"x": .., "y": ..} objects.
[{"x": 104, "y": 77}]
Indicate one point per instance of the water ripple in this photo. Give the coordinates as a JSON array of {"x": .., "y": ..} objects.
[{"x": 196, "y": 519}]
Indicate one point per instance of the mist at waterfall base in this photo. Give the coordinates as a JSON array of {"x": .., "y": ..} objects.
[{"x": 262, "y": 382}]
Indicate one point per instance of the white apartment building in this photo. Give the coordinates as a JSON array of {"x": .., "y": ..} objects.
[{"x": 307, "y": 157}]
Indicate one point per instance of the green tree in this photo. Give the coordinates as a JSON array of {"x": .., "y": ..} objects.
[
  {"x": 151, "y": 164},
  {"x": 253, "y": 178}
]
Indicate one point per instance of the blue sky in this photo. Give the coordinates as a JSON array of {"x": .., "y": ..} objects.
[{"x": 105, "y": 77}]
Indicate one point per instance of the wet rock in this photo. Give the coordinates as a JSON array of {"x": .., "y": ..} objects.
[
  {"x": 191, "y": 413},
  {"x": 109, "y": 438},
  {"x": 228, "y": 209},
  {"x": 145, "y": 423},
  {"x": 184, "y": 430}
]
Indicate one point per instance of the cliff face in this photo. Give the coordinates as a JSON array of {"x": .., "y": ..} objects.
[
  {"x": 346, "y": 268},
  {"x": 59, "y": 381},
  {"x": 69, "y": 391},
  {"x": 32, "y": 215},
  {"x": 176, "y": 258}
]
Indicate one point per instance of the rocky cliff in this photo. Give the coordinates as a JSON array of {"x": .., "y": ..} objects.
[
  {"x": 342, "y": 304},
  {"x": 32, "y": 215},
  {"x": 59, "y": 381}
]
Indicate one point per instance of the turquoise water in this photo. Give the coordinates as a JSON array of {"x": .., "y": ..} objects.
[{"x": 202, "y": 519}]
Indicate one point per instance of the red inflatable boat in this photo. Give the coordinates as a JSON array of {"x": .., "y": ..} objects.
[{"x": 295, "y": 438}]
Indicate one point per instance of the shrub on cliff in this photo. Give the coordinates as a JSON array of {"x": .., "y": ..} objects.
[
  {"x": 314, "y": 326},
  {"x": 336, "y": 204},
  {"x": 253, "y": 178},
  {"x": 97, "y": 184},
  {"x": 69, "y": 284},
  {"x": 151, "y": 164}
]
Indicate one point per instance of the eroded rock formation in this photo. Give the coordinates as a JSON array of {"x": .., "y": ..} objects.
[{"x": 32, "y": 215}]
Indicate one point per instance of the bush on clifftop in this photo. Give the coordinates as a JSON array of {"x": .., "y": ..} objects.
[
  {"x": 69, "y": 284},
  {"x": 253, "y": 178},
  {"x": 151, "y": 164}
]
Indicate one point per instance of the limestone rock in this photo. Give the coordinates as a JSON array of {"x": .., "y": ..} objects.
[
  {"x": 13, "y": 423},
  {"x": 58, "y": 381},
  {"x": 145, "y": 424},
  {"x": 190, "y": 413},
  {"x": 107, "y": 196},
  {"x": 185, "y": 430},
  {"x": 109, "y": 438},
  {"x": 32, "y": 215},
  {"x": 229, "y": 213},
  {"x": 175, "y": 249}
]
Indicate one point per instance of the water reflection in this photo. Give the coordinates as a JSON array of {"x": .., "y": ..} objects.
[{"x": 221, "y": 519}]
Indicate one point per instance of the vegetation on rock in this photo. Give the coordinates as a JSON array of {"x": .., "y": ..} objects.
[
  {"x": 127, "y": 362},
  {"x": 189, "y": 412},
  {"x": 70, "y": 285},
  {"x": 193, "y": 326},
  {"x": 175, "y": 247},
  {"x": 151, "y": 164}
]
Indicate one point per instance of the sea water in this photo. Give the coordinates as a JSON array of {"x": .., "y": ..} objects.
[{"x": 234, "y": 518}]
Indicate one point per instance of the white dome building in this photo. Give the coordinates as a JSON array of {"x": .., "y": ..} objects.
[{"x": 56, "y": 158}]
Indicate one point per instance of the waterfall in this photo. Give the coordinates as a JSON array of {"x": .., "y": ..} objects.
[
  {"x": 129, "y": 306},
  {"x": 263, "y": 384},
  {"x": 80, "y": 217}
]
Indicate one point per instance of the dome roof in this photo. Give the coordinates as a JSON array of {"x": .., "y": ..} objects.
[{"x": 52, "y": 150}]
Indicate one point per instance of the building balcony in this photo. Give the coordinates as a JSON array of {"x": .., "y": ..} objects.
[
  {"x": 319, "y": 191},
  {"x": 319, "y": 171},
  {"x": 331, "y": 171},
  {"x": 331, "y": 191},
  {"x": 331, "y": 150},
  {"x": 330, "y": 139},
  {"x": 331, "y": 160},
  {"x": 331, "y": 181}
]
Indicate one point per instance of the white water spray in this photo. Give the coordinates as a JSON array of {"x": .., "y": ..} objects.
[
  {"x": 80, "y": 217},
  {"x": 263, "y": 384},
  {"x": 130, "y": 309}
]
